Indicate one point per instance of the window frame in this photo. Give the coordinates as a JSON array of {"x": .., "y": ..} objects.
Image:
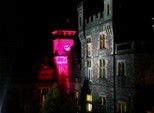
[
  {"x": 102, "y": 68},
  {"x": 89, "y": 46},
  {"x": 121, "y": 107},
  {"x": 89, "y": 70},
  {"x": 121, "y": 68}
]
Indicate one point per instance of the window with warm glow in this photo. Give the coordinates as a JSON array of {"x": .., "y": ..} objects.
[
  {"x": 76, "y": 94},
  {"x": 121, "y": 107},
  {"x": 43, "y": 99},
  {"x": 89, "y": 98},
  {"x": 89, "y": 107},
  {"x": 102, "y": 41},
  {"x": 89, "y": 103}
]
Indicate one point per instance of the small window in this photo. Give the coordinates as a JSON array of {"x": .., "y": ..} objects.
[
  {"x": 90, "y": 74},
  {"x": 102, "y": 41},
  {"x": 102, "y": 101},
  {"x": 102, "y": 68},
  {"x": 89, "y": 47},
  {"x": 88, "y": 40},
  {"x": 88, "y": 63},
  {"x": 89, "y": 70},
  {"x": 121, "y": 68},
  {"x": 121, "y": 107}
]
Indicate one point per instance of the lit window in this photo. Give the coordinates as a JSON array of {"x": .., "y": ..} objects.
[
  {"x": 76, "y": 94},
  {"x": 76, "y": 88},
  {"x": 89, "y": 103},
  {"x": 89, "y": 98},
  {"x": 121, "y": 107},
  {"x": 102, "y": 69},
  {"x": 102, "y": 41},
  {"x": 89, "y": 107},
  {"x": 43, "y": 99}
]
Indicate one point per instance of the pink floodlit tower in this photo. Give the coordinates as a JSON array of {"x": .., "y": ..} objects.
[{"x": 63, "y": 44}]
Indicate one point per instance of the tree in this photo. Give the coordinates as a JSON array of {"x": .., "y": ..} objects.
[
  {"x": 51, "y": 100},
  {"x": 58, "y": 103},
  {"x": 84, "y": 91}
]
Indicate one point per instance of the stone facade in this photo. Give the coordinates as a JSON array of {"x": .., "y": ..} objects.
[
  {"x": 92, "y": 28},
  {"x": 114, "y": 71}
]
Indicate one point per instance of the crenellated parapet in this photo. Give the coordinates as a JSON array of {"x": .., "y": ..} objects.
[
  {"x": 80, "y": 4},
  {"x": 80, "y": 7},
  {"x": 94, "y": 18}
]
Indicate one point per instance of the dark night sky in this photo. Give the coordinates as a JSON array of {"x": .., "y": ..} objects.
[{"x": 25, "y": 28}]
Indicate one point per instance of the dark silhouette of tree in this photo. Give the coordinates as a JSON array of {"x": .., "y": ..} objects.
[
  {"x": 85, "y": 89},
  {"x": 51, "y": 100},
  {"x": 58, "y": 103}
]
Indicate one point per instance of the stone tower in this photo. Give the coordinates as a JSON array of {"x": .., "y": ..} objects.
[
  {"x": 118, "y": 69},
  {"x": 97, "y": 48}
]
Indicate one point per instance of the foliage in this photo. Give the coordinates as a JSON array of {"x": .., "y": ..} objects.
[
  {"x": 51, "y": 99},
  {"x": 56, "y": 103},
  {"x": 65, "y": 104},
  {"x": 85, "y": 89}
]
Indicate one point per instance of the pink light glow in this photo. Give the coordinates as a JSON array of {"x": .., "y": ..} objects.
[
  {"x": 45, "y": 73},
  {"x": 61, "y": 59},
  {"x": 59, "y": 46},
  {"x": 62, "y": 45},
  {"x": 64, "y": 32}
]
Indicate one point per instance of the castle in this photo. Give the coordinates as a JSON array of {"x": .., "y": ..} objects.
[{"x": 120, "y": 74}]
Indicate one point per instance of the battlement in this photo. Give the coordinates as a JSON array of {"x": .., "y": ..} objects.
[
  {"x": 94, "y": 17},
  {"x": 80, "y": 4}
]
